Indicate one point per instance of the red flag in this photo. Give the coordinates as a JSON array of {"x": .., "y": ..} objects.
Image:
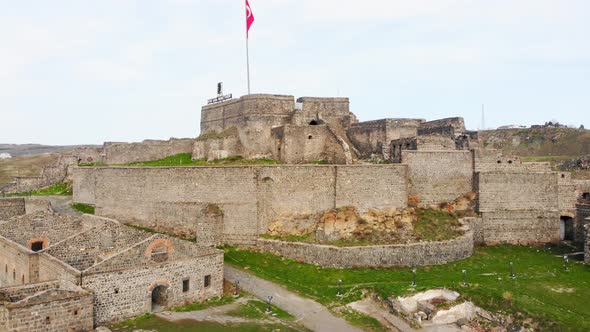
[{"x": 249, "y": 17}]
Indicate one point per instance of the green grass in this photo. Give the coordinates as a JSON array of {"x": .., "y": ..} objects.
[
  {"x": 214, "y": 302},
  {"x": 60, "y": 189},
  {"x": 431, "y": 225},
  {"x": 185, "y": 159},
  {"x": 368, "y": 323},
  {"x": 83, "y": 208},
  {"x": 150, "y": 322},
  {"x": 255, "y": 309},
  {"x": 542, "y": 290},
  {"x": 435, "y": 225}
]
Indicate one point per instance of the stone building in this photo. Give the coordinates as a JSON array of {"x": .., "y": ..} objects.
[{"x": 128, "y": 271}]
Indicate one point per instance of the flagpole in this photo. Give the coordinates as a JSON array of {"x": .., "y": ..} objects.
[{"x": 247, "y": 50}]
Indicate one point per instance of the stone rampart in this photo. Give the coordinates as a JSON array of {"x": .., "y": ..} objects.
[
  {"x": 414, "y": 254},
  {"x": 439, "y": 176},
  {"x": 374, "y": 137},
  {"x": 446, "y": 127},
  {"x": 123, "y": 153},
  {"x": 582, "y": 215},
  {"x": 302, "y": 144},
  {"x": 173, "y": 199},
  {"x": 11, "y": 207},
  {"x": 519, "y": 207}
]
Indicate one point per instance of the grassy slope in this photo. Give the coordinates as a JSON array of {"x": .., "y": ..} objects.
[
  {"x": 24, "y": 166},
  {"x": 60, "y": 189},
  {"x": 542, "y": 288},
  {"x": 184, "y": 159}
]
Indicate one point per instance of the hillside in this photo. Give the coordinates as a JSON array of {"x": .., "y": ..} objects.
[
  {"x": 24, "y": 166},
  {"x": 567, "y": 149},
  {"x": 17, "y": 150}
]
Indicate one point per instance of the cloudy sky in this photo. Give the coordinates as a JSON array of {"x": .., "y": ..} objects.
[{"x": 75, "y": 72}]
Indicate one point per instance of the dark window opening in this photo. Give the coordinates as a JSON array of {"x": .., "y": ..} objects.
[
  {"x": 510, "y": 161},
  {"x": 47, "y": 320},
  {"x": 309, "y": 137},
  {"x": 207, "y": 280},
  {"x": 159, "y": 298},
  {"x": 116, "y": 290},
  {"x": 75, "y": 312},
  {"x": 563, "y": 176},
  {"x": 160, "y": 254},
  {"x": 408, "y": 146},
  {"x": 566, "y": 229},
  {"x": 13, "y": 274},
  {"x": 6, "y": 269},
  {"x": 185, "y": 285},
  {"x": 499, "y": 161},
  {"x": 23, "y": 279},
  {"x": 313, "y": 123},
  {"x": 586, "y": 195},
  {"x": 37, "y": 246}
]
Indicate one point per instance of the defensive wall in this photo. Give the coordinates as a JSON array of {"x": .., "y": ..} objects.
[
  {"x": 301, "y": 144},
  {"x": 445, "y": 127},
  {"x": 439, "y": 176},
  {"x": 18, "y": 206},
  {"x": 47, "y": 307},
  {"x": 175, "y": 199},
  {"x": 50, "y": 175},
  {"x": 374, "y": 137},
  {"x": 519, "y": 207},
  {"x": 413, "y": 254},
  {"x": 581, "y": 222}
]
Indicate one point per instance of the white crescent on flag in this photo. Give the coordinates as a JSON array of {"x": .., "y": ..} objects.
[{"x": 249, "y": 17}]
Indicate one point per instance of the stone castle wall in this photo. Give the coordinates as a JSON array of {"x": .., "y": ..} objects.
[
  {"x": 415, "y": 254},
  {"x": 124, "y": 153},
  {"x": 374, "y": 137},
  {"x": 51, "y": 310},
  {"x": 173, "y": 199},
  {"x": 439, "y": 176},
  {"x": 582, "y": 215},
  {"x": 50, "y": 175},
  {"x": 11, "y": 207},
  {"x": 446, "y": 127},
  {"x": 302, "y": 144},
  {"x": 519, "y": 207}
]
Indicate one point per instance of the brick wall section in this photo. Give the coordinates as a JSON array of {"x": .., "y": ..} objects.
[
  {"x": 374, "y": 137},
  {"x": 415, "y": 254},
  {"x": 84, "y": 186},
  {"x": 123, "y": 153},
  {"x": 172, "y": 199},
  {"x": 439, "y": 176},
  {"x": 519, "y": 207},
  {"x": 15, "y": 264},
  {"x": 122, "y": 285},
  {"x": 302, "y": 144},
  {"x": 11, "y": 207},
  {"x": 52, "y": 310}
]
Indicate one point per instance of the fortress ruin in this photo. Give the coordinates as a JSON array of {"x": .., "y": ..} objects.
[{"x": 371, "y": 166}]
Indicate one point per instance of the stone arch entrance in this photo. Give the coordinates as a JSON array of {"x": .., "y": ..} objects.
[
  {"x": 159, "y": 298},
  {"x": 566, "y": 228}
]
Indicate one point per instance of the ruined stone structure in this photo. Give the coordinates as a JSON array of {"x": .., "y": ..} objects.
[
  {"x": 50, "y": 175},
  {"x": 92, "y": 269}
]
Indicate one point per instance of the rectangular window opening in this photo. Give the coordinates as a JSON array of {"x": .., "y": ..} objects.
[
  {"x": 185, "y": 285},
  {"x": 207, "y": 280}
]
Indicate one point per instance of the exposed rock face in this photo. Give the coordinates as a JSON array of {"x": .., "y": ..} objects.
[{"x": 348, "y": 224}]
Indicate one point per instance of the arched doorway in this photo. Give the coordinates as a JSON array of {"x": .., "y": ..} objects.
[
  {"x": 566, "y": 228},
  {"x": 159, "y": 298}
]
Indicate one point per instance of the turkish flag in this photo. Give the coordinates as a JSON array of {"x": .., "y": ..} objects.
[{"x": 249, "y": 17}]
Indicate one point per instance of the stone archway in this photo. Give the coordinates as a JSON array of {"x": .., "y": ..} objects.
[
  {"x": 158, "y": 294},
  {"x": 566, "y": 228}
]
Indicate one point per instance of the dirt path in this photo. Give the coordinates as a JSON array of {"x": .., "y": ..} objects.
[
  {"x": 214, "y": 314},
  {"x": 309, "y": 313}
]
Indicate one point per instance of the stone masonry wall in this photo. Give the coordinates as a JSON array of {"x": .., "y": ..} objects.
[
  {"x": 15, "y": 264},
  {"x": 66, "y": 313},
  {"x": 519, "y": 207},
  {"x": 127, "y": 293},
  {"x": 415, "y": 254},
  {"x": 123, "y": 153},
  {"x": 439, "y": 176},
  {"x": 11, "y": 207},
  {"x": 587, "y": 245},
  {"x": 173, "y": 199},
  {"x": 302, "y": 144},
  {"x": 374, "y": 137}
]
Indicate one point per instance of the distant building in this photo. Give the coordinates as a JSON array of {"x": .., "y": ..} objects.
[{"x": 5, "y": 156}]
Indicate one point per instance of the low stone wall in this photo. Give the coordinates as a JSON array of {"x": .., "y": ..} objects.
[
  {"x": 11, "y": 207},
  {"x": 415, "y": 254}
]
